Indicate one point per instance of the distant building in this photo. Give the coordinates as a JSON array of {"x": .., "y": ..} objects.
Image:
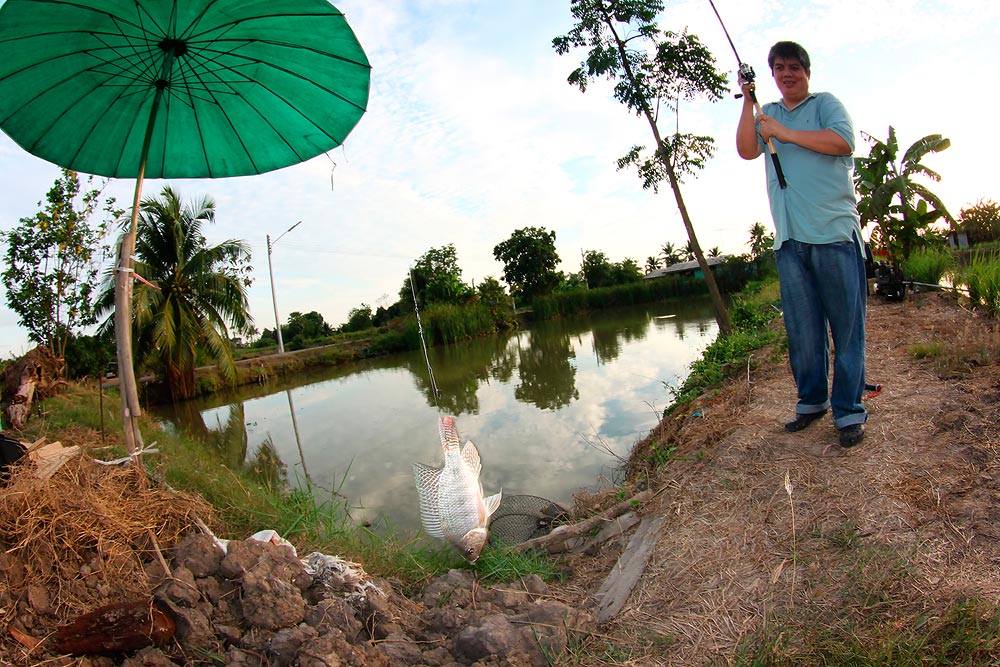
[
  {"x": 959, "y": 239},
  {"x": 686, "y": 268}
]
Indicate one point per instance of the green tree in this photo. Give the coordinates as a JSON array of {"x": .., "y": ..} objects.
[
  {"x": 189, "y": 295},
  {"x": 492, "y": 292},
  {"x": 890, "y": 197},
  {"x": 652, "y": 70},
  {"x": 530, "y": 259},
  {"x": 625, "y": 271},
  {"x": 302, "y": 328},
  {"x": 688, "y": 252},
  {"x": 359, "y": 318},
  {"x": 981, "y": 221},
  {"x": 437, "y": 278},
  {"x": 52, "y": 262},
  {"x": 760, "y": 241},
  {"x": 652, "y": 264},
  {"x": 597, "y": 270},
  {"x": 714, "y": 251}
]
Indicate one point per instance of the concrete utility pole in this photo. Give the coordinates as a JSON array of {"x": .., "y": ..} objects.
[{"x": 274, "y": 298}]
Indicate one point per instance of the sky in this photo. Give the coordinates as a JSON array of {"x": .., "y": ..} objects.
[{"x": 473, "y": 132}]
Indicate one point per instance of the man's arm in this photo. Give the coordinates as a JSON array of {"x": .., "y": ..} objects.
[
  {"x": 747, "y": 144},
  {"x": 825, "y": 141}
]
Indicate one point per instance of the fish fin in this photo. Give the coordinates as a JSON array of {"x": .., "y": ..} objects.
[
  {"x": 471, "y": 457},
  {"x": 427, "y": 479},
  {"x": 493, "y": 503},
  {"x": 448, "y": 432}
]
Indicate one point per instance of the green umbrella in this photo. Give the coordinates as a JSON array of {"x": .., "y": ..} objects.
[{"x": 176, "y": 89}]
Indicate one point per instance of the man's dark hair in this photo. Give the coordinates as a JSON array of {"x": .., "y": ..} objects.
[{"x": 788, "y": 50}]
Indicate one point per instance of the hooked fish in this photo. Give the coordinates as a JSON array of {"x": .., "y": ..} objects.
[{"x": 452, "y": 506}]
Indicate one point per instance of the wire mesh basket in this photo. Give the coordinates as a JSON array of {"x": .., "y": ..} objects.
[{"x": 522, "y": 518}]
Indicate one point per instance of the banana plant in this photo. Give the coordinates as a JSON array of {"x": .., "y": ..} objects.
[{"x": 900, "y": 207}]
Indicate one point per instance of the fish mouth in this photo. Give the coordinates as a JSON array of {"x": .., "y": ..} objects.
[{"x": 471, "y": 544}]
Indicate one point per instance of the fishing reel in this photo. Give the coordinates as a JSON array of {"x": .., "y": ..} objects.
[{"x": 747, "y": 75}]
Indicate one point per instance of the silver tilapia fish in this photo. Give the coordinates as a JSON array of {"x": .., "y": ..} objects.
[{"x": 452, "y": 506}]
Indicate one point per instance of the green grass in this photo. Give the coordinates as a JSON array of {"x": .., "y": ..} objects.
[
  {"x": 926, "y": 350},
  {"x": 928, "y": 265},
  {"x": 752, "y": 314},
  {"x": 965, "y": 633},
  {"x": 982, "y": 276},
  {"x": 497, "y": 564}
]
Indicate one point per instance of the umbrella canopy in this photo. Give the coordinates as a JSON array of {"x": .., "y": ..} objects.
[
  {"x": 175, "y": 89},
  {"x": 243, "y": 86}
]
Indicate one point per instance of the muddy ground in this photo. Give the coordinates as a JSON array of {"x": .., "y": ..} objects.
[{"x": 767, "y": 537}]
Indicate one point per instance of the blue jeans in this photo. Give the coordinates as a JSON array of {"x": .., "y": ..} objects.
[{"x": 824, "y": 287}]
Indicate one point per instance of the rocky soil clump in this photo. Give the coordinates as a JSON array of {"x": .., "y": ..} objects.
[{"x": 254, "y": 603}]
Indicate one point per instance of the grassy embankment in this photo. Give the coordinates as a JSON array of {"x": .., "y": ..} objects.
[{"x": 254, "y": 497}]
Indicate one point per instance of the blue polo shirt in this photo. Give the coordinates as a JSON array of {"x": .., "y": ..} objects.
[{"x": 818, "y": 206}]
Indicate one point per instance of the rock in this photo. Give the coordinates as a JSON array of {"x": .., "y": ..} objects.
[
  {"x": 452, "y": 589},
  {"x": 239, "y": 658},
  {"x": 264, "y": 558},
  {"x": 271, "y": 603},
  {"x": 334, "y": 650},
  {"x": 438, "y": 657},
  {"x": 286, "y": 643},
  {"x": 337, "y": 614},
  {"x": 494, "y": 635},
  {"x": 181, "y": 587},
  {"x": 445, "y": 621},
  {"x": 200, "y": 554},
  {"x": 535, "y": 584},
  {"x": 149, "y": 657},
  {"x": 400, "y": 650},
  {"x": 507, "y": 598},
  {"x": 38, "y": 598},
  {"x": 547, "y": 628}
]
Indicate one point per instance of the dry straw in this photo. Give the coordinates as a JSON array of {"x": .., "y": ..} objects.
[{"x": 108, "y": 521}]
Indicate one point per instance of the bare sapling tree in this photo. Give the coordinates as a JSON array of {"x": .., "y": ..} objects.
[{"x": 652, "y": 70}]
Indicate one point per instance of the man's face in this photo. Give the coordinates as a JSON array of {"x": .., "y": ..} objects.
[{"x": 791, "y": 77}]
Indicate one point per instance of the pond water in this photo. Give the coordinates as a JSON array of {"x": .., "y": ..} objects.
[{"x": 552, "y": 409}]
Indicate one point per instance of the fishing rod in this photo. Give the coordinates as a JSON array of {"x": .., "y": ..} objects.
[{"x": 747, "y": 73}]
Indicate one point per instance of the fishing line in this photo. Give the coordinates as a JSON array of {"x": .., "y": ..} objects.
[
  {"x": 746, "y": 71},
  {"x": 423, "y": 343}
]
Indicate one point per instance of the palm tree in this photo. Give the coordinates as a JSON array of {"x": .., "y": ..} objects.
[
  {"x": 669, "y": 253},
  {"x": 714, "y": 251},
  {"x": 889, "y": 197},
  {"x": 652, "y": 264},
  {"x": 189, "y": 294},
  {"x": 760, "y": 241}
]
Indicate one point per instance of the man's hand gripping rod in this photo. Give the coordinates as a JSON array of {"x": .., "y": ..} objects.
[{"x": 747, "y": 74}]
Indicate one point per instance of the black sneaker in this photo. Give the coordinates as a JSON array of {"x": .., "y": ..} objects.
[
  {"x": 803, "y": 420},
  {"x": 852, "y": 435}
]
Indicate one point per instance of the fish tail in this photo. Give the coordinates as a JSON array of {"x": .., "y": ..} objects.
[{"x": 448, "y": 432}]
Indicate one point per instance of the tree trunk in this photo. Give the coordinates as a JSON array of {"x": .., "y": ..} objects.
[
  {"x": 36, "y": 375},
  {"x": 20, "y": 405}
]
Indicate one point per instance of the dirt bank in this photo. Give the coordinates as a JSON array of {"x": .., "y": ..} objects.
[{"x": 777, "y": 537}]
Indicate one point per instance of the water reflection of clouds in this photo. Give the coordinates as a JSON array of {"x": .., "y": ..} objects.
[{"x": 361, "y": 433}]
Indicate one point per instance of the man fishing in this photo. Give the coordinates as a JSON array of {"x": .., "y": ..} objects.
[{"x": 817, "y": 242}]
